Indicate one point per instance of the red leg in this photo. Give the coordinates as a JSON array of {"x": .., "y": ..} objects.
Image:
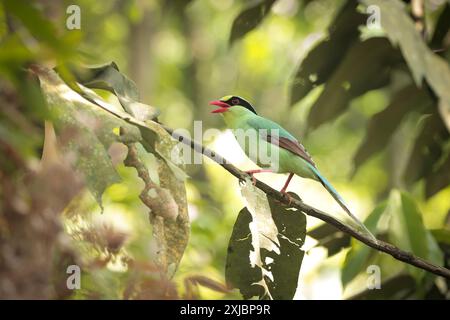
[
  {"x": 252, "y": 172},
  {"x": 283, "y": 190}
]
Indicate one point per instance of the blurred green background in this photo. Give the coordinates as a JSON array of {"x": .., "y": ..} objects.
[{"x": 180, "y": 56}]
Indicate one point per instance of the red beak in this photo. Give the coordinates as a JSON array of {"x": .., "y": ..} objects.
[{"x": 223, "y": 107}]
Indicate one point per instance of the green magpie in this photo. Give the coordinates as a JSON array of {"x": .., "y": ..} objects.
[{"x": 293, "y": 158}]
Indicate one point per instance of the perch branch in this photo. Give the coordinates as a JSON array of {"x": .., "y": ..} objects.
[{"x": 379, "y": 245}]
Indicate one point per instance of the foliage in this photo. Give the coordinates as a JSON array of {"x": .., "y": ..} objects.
[
  {"x": 89, "y": 178},
  {"x": 271, "y": 270}
]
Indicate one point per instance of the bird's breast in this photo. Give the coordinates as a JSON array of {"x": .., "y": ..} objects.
[{"x": 261, "y": 152}]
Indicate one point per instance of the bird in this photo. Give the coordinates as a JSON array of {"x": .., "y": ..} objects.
[{"x": 292, "y": 159}]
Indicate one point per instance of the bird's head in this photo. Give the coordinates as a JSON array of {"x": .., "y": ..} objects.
[{"x": 231, "y": 103}]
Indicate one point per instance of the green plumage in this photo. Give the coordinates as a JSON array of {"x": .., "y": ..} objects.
[
  {"x": 291, "y": 158},
  {"x": 240, "y": 118}
]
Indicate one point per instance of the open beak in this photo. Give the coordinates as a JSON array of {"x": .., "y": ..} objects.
[{"x": 223, "y": 107}]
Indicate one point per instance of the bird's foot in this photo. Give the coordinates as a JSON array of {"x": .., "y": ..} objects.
[
  {"x": 251, "y": 173},
  {"x": 287, "y": 195}
]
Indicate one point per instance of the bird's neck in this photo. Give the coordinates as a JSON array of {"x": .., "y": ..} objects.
[{"x": 236, "y": 115}]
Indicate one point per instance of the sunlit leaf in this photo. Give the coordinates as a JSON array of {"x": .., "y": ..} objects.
[
  {"x": 407, "y": 231},
  {"x": 166, "y": 199},
  {"x": 176, "y": 232},
  {"x": 439, "y": 178},
  {"x": 108, "y": 77},
  {"x": 168, "y": 205},
  {"x": 88, "y": 127},
  {"x": 441, "y": 235},
  {"x": 92, "y": 133},
  {"x": 240, "y": 272},
  {"x": 155, "y": 138},
  {"x": 359, "y": 253},
  {"x": 286, "y": 266},
  {"x": 264, "y": 253}
]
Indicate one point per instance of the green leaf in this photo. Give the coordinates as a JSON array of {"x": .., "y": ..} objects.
[
  {"x": 92, "y": 122},
  {"x": 87, "y": 130},
  {"x": 423, "y": 63},
  {"x": 358, "y": 255},
  {"x": 397, "y": 287},
  {"x": 169, "y": 214},
  {"x": 108, "y": 77},
  {"x": 322, "y": 60},
  {"x": 155, "y": 138},
  {"x": 329, "y": 237},
  {"x": 286, "y": 266},
  {"x": 439, "y": 178},
  {"x": 365, "y": 67},
  {"x": 441, "y": 235},
  {"x": 240, "y": 272},
  {"x": 428, "y": 149},
  {"x": 42, "y": 29},
  {"x": 441, "y": 28},
  {"x": 175, "y": 232},
  {"x": 264, "y": 252},
  {"x": 249, "y": 19},
  {"x": 406, "y": 230},
  {"x": 166, "y": 199},
  {"x": 383, "y": 124}
]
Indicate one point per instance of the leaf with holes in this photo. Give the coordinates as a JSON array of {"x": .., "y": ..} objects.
[
  {"x": 264, "y": 252},
  {"x": 87, "y": 131},
  {"x": 92, "y": 123}
]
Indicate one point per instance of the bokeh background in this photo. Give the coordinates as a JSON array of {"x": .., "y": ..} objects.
[{"x": 180, "y": 56}]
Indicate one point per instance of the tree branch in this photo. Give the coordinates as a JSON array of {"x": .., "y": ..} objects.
[{"x": 379, "y": 245}]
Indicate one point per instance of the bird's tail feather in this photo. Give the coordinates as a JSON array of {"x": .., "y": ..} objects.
[{"x": 341, "y": 202}]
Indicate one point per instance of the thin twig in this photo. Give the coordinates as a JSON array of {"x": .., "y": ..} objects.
[{"x": 379, "y": 245}]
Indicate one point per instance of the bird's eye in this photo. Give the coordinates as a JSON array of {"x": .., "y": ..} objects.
[{"x": 235, "y": 101}]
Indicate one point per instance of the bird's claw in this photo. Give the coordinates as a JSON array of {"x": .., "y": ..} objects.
[
  {"x": 288, "y": 196},
  {"x": 252, "y": 175}
]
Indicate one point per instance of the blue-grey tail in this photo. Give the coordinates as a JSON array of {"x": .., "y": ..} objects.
[{"x": 341, "y": 202}]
